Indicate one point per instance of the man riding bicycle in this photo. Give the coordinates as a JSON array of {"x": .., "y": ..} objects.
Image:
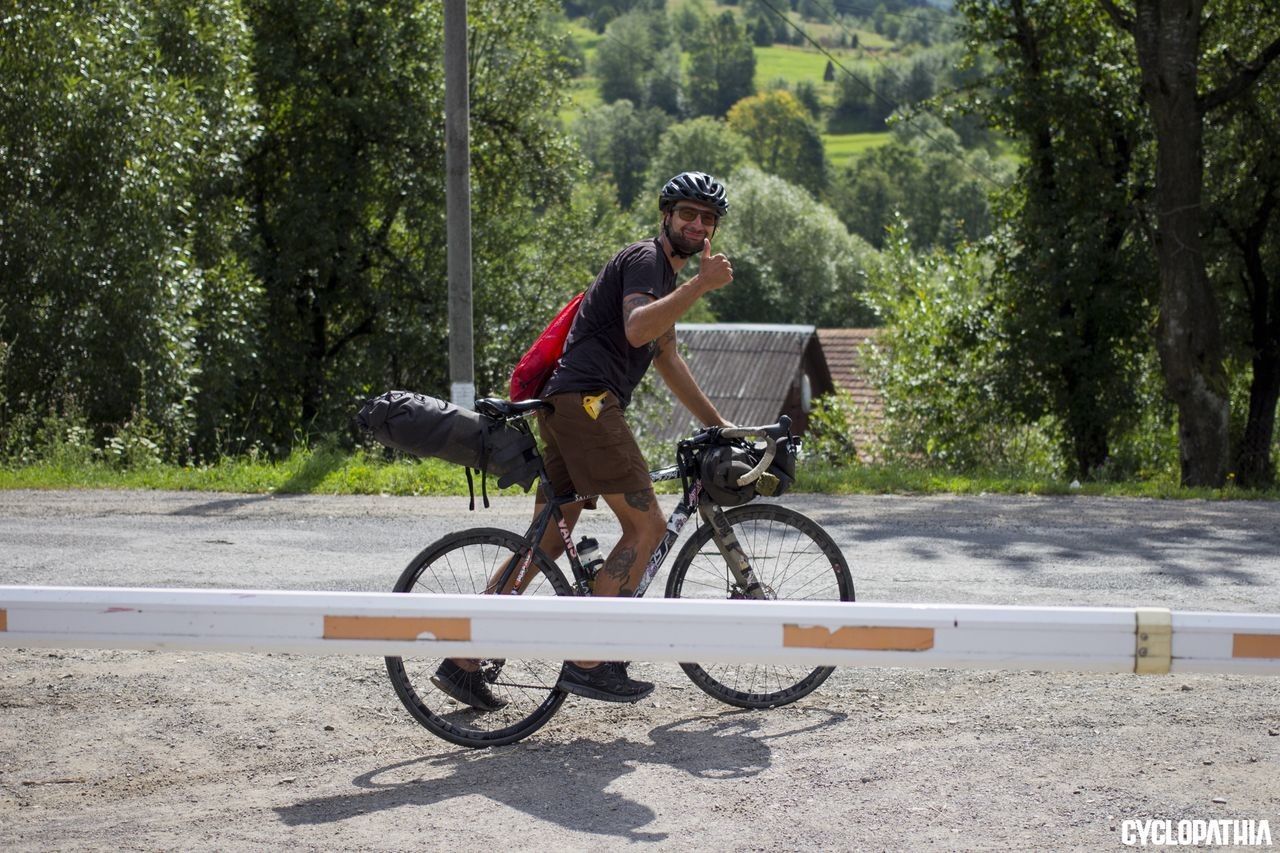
[{"x": 626, "y": 321}]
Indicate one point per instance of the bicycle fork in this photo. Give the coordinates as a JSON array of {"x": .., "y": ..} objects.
[{"x": 746, "y": 585}]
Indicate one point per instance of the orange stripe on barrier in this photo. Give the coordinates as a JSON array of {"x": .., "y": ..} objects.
[
  {"x": 396, "y": 627},
  {"x": 1255, "y": 646},
  {"x": 858, "y": 637},
  {"x": 4, "y": 619}
]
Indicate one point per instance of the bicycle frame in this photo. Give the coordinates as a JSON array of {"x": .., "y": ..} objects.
[{"x": 693, "y": 496}]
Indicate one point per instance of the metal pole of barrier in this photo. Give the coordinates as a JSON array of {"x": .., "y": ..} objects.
[{"x": 1095, "y": 639}]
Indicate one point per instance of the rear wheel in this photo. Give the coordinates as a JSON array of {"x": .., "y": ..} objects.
[
  {"x": 794, "y": 560},
  {"x": 463, "y": 563}
]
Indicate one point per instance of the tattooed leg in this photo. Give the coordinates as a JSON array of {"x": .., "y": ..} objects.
[
  {"x": 642, "y": 501},
  {"x": 642, "y": 530}
]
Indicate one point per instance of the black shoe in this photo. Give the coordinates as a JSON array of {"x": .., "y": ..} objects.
[
  {"x": 469, "y": 688},
  {"x": 607, "y": 682}
]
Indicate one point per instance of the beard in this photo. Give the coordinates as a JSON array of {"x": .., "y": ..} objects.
[{"x": 681, "y": 246}]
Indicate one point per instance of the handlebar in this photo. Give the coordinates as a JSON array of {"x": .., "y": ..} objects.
[
  {"x": 770, "y": 433},
  {"x": 713, "y": 434},
  {"x": 774, "y": 431}
]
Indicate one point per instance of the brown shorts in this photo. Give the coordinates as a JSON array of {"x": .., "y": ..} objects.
[{"x": 591, "y": 456}]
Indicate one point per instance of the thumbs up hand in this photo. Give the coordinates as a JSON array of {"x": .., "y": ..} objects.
[{"x": 714, "y": 271}]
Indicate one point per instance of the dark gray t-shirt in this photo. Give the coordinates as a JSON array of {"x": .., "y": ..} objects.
[{"x": 597, "y": 354}]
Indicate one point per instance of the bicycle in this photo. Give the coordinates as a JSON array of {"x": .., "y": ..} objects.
[{"x": 753, "y": 551}]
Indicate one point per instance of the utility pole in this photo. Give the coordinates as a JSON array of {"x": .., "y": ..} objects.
[{"x": 457, "y": 164}]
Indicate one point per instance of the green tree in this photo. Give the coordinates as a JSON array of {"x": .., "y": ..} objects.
[
  {"x": 222, "y": 221},
  {"x": 117, "y": 119},
  {"x": 638, "y": 60},
  {"x": 722, "y": 66},
  {"x": 347, "y": 184},
  {"x": 619, "y": 140},
  {"x": 704, "y": 144},
  {"x": 1177, "y": 42},
  {"x": 815, "y": 10},
  {"x": 601, "y": 12},
  {"x": 350, "y": 98},
  {"x": 686, "y": 21},
  {"x": 936, "y": 364},
  {"x": 210, "y": 48},
  {"x": 865, "y": 98},
  {"x": 793, "y": 260},
  {"x": 868, "y": 96},
  {"x": 765, "y": 22},
  {"x": 1072, "y": 277},
  {"x": 782, "y": 138},
  {"x": 940, "y": 191},
  {"x": 1242, "y": 180}
]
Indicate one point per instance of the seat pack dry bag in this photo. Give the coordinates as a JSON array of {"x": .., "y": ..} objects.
[
  {"x": 426, "y": 426},
  {"x": 539, "y": 361}
]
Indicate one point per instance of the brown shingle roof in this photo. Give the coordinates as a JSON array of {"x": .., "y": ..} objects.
[{"x": 847, "y": 371}]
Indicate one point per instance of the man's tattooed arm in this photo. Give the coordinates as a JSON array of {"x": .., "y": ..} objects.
[
  {"x": 665, "y": 341},
  {"x": 632, "y": 302}
]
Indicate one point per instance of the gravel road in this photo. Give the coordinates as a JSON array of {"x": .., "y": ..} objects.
[{"x": 185, "y": 751}]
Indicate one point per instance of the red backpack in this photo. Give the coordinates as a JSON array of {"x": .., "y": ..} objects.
[{"x": 539, "y": 362}]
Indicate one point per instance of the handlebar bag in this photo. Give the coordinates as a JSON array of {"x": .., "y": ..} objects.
[
  {"x": 424, "y": 426},
  {"x": 784, "y": 465}
]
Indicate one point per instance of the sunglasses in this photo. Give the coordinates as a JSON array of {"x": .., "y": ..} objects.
[{"x": 688, "y": 214}]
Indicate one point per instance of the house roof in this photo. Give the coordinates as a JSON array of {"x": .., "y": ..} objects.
[
  {"x": 842, "y": 348},
  {"x": 746, "y": 369}
]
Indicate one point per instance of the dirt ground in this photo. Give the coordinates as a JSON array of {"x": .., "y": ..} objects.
[{"x": 130, "y": 750}]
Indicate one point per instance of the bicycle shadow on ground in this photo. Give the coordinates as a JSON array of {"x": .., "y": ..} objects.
[{"x": 563, "y": 783}]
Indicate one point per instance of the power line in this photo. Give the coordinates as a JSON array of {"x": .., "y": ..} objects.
[
  {"x": 920, "y": 14},
  {"x": 893, "y": 106},
  {"x": 840, "y": 23},
  {"x": 644, "y": 60},
  {"x": 942, "y": 146}
]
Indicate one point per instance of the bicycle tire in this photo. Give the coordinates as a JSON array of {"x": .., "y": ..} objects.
[
  {"x": 463, "y": 562},
  {"x": 794, "y": 559}
]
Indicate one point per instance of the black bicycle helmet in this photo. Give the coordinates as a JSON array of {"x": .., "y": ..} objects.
[{"x": 694, "y": 186}]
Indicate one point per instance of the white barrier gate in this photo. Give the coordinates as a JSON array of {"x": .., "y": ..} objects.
[{"x": 1094, "y": 639}]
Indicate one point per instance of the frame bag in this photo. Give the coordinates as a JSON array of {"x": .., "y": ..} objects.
[{"x": 539, "y": 361}]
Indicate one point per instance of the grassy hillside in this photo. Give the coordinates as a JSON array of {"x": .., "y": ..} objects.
[
  {"x": 843, "y": 147},
  {"x": 790, "y": 64}
]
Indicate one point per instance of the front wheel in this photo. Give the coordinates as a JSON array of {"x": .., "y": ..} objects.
[
  {"x": 794, "y": 560},
  {"x": 464, "y": 563}
]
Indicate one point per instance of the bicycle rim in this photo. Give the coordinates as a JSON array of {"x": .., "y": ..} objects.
[
  {"x": 463, "y": 563},
  {"x": 795, "y": 560}
]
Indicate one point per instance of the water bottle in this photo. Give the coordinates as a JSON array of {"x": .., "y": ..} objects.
[{"x": 589, "y": 556}]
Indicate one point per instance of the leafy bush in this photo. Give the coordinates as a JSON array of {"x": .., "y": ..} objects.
[
  {"x": 935, "y": 366},
  {"x": 831, "y": 429}
]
